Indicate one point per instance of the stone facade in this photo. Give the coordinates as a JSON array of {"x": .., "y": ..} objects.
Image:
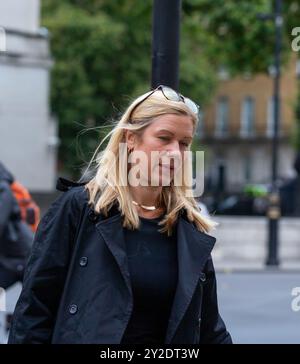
[{"x": 28, "y": 133}]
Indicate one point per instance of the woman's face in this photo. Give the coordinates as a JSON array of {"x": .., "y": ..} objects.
[{"x": 167, "y": 133}]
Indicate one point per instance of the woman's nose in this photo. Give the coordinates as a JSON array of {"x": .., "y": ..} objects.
[
  {"x": 174, "y": 147},
  {"x": 174, "y": 155}
]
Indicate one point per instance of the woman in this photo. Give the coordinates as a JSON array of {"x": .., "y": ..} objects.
[{"x": 115, "y": 261}]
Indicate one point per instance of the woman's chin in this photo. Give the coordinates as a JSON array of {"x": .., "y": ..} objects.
[{"x": 164, "y": 179}]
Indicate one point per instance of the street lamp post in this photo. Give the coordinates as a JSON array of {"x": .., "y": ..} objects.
[
  {"x": 274, "y": 198},
  {"x": 165, "y": 43}
]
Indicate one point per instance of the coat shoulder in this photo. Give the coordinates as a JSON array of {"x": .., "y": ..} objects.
[
  {"x": 76, "y": 197},
  {"x": 74, "y": 193},
  {"x": 208, "y": 238},
  {"x": 68, "y": 204}
]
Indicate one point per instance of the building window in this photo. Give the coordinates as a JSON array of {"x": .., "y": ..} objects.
[
  {"x": 247, "y": 117},
  {"x": 247, "y": 169},
  {"x": 222, "y": 117}
]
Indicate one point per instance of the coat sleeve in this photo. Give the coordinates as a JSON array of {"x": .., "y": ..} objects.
[
  {"x": 6, "y": 205},
  {"x": 213, "y": 329},
  {"x": 45, "y": 272}
]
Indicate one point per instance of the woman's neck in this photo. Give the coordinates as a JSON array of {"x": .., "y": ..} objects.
[{"x": 147, "y": 196}]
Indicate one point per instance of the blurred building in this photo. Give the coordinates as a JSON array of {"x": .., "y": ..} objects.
[
  {"x": 28, "y": 134},
  {"x": 237, "y": 127}
]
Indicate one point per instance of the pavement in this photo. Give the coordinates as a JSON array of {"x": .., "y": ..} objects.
[{"x": 256, "y": 305}]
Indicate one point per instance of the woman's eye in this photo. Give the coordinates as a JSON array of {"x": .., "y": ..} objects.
[
  {"x": 185, "y": 144},
  {"x": 163, "y": 138}
]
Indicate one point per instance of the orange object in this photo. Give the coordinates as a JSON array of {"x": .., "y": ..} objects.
[{"x": 30, "y": 212}]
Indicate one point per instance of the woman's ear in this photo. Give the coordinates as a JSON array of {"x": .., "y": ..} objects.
[{"x": 130, "y": 138}]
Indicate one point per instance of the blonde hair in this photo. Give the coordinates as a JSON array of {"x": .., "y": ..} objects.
[{"x": 106, "y": 187}]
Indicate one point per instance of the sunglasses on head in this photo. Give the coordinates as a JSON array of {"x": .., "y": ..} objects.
[{"x": 171, "y": 95}]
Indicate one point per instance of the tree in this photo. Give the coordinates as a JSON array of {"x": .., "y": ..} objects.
[{"x": 102, "y": 53}]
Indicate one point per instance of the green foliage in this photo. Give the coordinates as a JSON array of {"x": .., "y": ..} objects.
[
  {"x": 100, "y": 64},
  {"x": 102, "y": 54},
  {"x": 255, "y": 190}
]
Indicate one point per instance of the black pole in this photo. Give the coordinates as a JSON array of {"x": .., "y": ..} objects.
[
  {"x": 165, "y": 43},
  {"x": 274, "y": 198}
]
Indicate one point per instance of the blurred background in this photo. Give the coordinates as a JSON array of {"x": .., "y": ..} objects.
[{"x": 69, "y": 66}]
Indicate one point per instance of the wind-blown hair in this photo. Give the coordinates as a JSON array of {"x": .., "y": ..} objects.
[{"x": 109, "y": 186}]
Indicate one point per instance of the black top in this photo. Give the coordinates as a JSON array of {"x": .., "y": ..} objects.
[{"x": 152, "y": 259}]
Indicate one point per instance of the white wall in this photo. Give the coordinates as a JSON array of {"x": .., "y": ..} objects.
[
  {"x": 27, "y": 131},
  {"x": 25, "y": 126},
  {"x": 20, "y": 14}
]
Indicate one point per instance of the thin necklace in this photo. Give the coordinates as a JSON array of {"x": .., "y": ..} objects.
[{"x": 150, "y": 208}]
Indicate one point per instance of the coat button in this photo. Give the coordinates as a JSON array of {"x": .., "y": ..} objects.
[
  {"x": 203, "y": 277},
  {"x": 83, "y": 261},
  {"x": 20, "y": 267},
  {"x": 73, "y": 309}
]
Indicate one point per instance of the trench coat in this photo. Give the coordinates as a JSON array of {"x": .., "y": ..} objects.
[{"x": 77, "y": 288}]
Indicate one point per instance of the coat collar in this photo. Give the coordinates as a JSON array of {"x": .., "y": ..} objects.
[{"x": 193, "y": 248}]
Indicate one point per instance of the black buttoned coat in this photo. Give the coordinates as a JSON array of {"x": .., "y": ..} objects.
[{"x": 77, "y": 285}]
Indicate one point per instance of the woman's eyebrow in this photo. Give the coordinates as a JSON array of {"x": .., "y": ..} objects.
[
  {"x": 168, "y": 131},
  {"x": 165, "y": 130}
]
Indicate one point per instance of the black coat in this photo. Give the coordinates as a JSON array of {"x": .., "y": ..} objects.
[
  {"x": 15, "y": 236},
  {"x": 77, "y": 287}
]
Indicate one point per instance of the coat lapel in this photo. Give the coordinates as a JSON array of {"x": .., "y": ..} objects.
[
  {"x": 193, "y": 249},
  {"x": 111, "y": 230}
]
